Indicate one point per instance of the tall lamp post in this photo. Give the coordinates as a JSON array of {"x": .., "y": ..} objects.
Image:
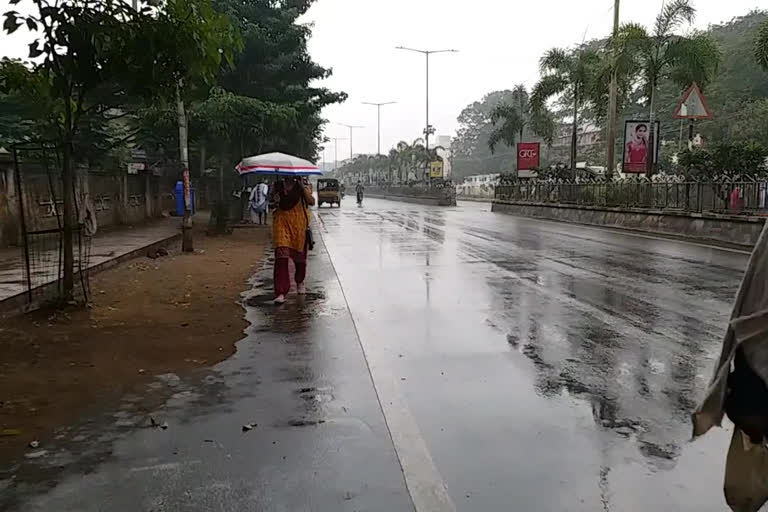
[
  {"x": 426, "y": 54},
  {"x": 335, "y": 151},
  {"x": 351, "y": 128},
  {"x": 378, "y": 121},
  {"x": 612, "y": 100},
  {"x": 428, "y": 128}
]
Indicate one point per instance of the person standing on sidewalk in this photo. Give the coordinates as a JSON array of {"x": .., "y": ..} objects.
[
  {"x": 289, "y": 226},
  {"x": 258, "y": 202}
]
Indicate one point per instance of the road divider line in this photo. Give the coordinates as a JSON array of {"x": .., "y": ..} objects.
[{"x": 425, "y": 484}]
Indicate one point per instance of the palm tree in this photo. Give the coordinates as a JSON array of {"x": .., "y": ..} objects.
[
  {"x": 406, "y": 157},
  {"x": 663, "y": 54},
  {"x": 570, "y": 74},
  {"x": 515, "y": 117},
  {"x": 761, "y": 46},
  {"x": 512, "y": 117}
]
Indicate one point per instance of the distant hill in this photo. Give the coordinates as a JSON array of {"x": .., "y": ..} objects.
[{"x": 738, "y": 97}]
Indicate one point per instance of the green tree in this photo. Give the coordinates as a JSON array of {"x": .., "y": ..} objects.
[
  {"x": 761, "y": 46},
  {"x": 725, "y": 161},
  {"x": 569, "y": 74},
  {"x": 275, "y": 66},
  {"x": 664, "y": 55},
  {"x": 511, "y": 119},
  {"x": 94, "y": 56},
  {"x": 25, "y": 110},
  {"x": 472, "y": 154}
]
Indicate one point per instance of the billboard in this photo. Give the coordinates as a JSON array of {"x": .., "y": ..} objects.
[
  {"x": 436, "y": 169},
  {"x": 636, "y": 146},
  {"x": 527, "y": 156}
]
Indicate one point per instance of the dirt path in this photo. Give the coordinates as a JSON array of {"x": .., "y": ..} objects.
[{"x": 148, "y": 316}]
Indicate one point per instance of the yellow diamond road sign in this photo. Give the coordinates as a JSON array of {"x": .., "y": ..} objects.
[{"x": 693, "y": 105}]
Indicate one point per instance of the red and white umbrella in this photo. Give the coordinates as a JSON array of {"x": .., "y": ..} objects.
[{"x": 277, "y": 163}]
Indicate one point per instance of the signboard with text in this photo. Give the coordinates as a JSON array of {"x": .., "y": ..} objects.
[
  {"x": 527, "y": 156},
  {"x": 135, "y": 167},
  {"x": 436, "y": 169}
]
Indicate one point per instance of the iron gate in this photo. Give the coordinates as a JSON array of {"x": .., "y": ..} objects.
[{"x": 41, "y": 195}]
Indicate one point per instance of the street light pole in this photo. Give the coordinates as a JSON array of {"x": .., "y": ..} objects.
[
  {"x": 426, "y": 53},
  {"x": 351, "y": 127},
  {"x": 378, "y": 121},
  {"x": 335, "y": 151},
  {"x": 426, "y": 102},
  {"x": 612, "y": 99}
]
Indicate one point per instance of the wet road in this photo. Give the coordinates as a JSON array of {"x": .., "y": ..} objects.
[
  {"x": 445, "y": 359},
  {"x": 532, "y": 365}
]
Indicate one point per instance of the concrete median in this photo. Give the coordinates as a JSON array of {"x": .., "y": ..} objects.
[{"x": 742, "y": 230}]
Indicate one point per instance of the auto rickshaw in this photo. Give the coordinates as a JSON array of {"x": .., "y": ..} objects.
[{"x": 328, "y": 191}]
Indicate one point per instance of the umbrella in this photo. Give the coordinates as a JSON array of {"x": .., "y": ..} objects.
[{"x": 277, "y": 163}]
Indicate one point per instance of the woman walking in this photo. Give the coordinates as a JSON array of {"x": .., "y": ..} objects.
[{"x": 289, "y": 227}]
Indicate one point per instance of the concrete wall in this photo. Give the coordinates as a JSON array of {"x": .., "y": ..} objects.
[
  {"x": 732, "y": 229},
  {"x": 434, "y": 196},
  {"x": 117, "y": 199},
  {"x": 405, "y": 199}
]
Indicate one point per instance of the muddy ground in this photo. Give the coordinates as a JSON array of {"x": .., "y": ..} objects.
[{"x": 147, "y": 316}]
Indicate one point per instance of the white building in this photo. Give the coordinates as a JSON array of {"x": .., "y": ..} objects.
[
  {"x": 442, "y": 140},
  {"x": 443, "y": 145},
  {"x": 587, "y": 134},
  {"x": 479, "y": 185}
]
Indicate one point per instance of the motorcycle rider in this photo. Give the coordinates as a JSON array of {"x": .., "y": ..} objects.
[{"x": 360, "y": 189}]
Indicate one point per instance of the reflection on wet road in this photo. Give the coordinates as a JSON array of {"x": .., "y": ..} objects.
[{"x": 535, "y": 365}]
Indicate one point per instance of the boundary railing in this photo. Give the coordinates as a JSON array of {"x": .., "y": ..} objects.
[{"x": 689, "y": 196}]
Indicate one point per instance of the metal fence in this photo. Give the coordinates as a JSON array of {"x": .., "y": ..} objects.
[{"x": 719, "y": 197}]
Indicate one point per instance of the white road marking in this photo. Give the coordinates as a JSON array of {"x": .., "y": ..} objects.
[
  {"x": 168, "y": 466},
  {"x": 422, "y": 478}
]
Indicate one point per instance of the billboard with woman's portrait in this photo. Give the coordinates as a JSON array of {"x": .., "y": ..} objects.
[{"x": 637, "y": 135}]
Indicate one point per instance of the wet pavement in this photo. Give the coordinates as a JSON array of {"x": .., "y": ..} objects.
[
  {"x": 444, "y": 359},
  {"x": 543, "y": 366},
  {"x": 106, "y": 246}
]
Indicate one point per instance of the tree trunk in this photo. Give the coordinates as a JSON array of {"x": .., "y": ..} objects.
[
  {"x": 186, "y": 225},
  {"x": 652, "y": 131},
  {"x": 203, "y": 151},
  {"x": 611, "y": 129},
  {"x": 67, "y": 238},
  {"x": 574, "y": 130}
]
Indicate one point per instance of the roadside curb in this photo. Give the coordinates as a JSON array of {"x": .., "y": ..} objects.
[
  {"x": 702, "y": 242},
  {"x": 712, "y": 229},
  {"x": 17, "y": 304}
]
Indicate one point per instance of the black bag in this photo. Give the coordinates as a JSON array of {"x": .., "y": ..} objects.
[{"x": 309, "y": 239}]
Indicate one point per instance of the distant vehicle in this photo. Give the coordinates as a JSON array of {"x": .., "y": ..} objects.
[{"x": 328, "y": 191}]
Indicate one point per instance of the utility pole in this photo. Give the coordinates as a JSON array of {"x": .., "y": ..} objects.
[
  {"x": 186, "y": 224},
  {"x": 335, "y": 151},
  {"x": 351, "y": 127},
  {"x": 428, "y": 129},
  {"x": 378, "y": 121},
  {"x": 612, "y": 101}
]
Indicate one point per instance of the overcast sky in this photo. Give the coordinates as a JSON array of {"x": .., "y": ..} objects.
[{"x": 499, "y": 43}]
